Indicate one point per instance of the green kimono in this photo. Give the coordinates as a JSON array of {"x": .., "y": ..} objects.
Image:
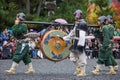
[
  {"x": 117, "y": 33},
  {"x": 111, "y": 34},
  {"x": 21, "y": 54},
  {"x": 105, "y": 50},
  {"x": 19, "y": 30}
]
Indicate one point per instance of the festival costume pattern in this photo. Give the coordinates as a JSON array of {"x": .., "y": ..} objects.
[
  {"x": 22, "y": 51},
  {"x": 105, "y": 56}
]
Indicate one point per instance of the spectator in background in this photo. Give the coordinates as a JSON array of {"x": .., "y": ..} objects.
[
  {"x": 5, "y": 44},
  {"x": 95, "y": 48},
  {"x": 90, "y": 30},
  {"x": 4, "y": 36},
  {"x": 117, "y": 32},
  {"x": 6, "y": 52},
  {"x": 14, "y": 45},
  {"x": 32, "y": 48},
  {"x": 43, "y": 31},
  {"x": 38, "y": 48},
  {"x": 87, "y": 49},
  {"x": 115, "y": 52}
]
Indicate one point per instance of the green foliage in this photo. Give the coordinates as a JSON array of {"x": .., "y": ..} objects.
[
  {"x": 12, "y": 6},
  {"x": 101, "y": 3},
  {"x": 104, "y": 7},
  {"x": 67, "y": 9},
  {"x": 9, "y": 9}
]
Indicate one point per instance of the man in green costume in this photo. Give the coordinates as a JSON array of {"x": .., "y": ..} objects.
[
  {"x": 110, "y": 23},
  {"x": 22, "y": 51},
  {"x": 105, "y": 48}
]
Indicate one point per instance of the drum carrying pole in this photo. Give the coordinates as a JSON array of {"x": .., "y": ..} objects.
[
  {"x": 45, "y": 23},
  {"x": 50, "y": 23}
]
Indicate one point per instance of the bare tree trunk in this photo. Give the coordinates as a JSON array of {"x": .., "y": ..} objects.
[
  {"x": 39, "y": 7},
  {"x": 19, "y": 4},
  {"x": 28, "y": 6}
]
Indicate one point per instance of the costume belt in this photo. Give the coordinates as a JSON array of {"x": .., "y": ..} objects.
[{"x": 23, "y": 40}]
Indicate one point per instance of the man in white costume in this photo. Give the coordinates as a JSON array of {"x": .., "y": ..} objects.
[{"x": 77, "y": 52}]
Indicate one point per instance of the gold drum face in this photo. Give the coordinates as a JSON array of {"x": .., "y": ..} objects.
[{"x": 54, "y": 47}]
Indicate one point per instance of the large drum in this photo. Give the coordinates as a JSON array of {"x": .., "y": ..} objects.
[{"x": 54, "y": 47}]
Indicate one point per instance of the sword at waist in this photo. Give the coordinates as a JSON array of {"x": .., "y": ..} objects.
[{"x": 23, "y": 40}]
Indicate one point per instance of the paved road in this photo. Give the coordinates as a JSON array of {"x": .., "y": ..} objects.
[{"x": 48, "y": 70}]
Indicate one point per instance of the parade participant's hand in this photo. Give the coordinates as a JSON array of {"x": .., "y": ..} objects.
[
  {"x": 17, "y": 21},
  {"x": 112, "y": 40},
  {"x": 109, "y": 46}
]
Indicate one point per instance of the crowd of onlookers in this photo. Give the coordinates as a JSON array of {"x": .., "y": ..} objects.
[
  {"x": 92, "y": 49},
  {"x": 8, "y": 46},
  {"x": 92, "y": 45}
]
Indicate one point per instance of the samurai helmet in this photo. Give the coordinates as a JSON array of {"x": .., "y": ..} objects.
[
  {"x": 78, "y": 14},
  {"x": 102, "y": 19},
  {"x": 21, "y": 16},
  {"x": 110, "y": 19}
]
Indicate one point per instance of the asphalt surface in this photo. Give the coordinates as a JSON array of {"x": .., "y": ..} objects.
[{"x": 48, "y": 70}]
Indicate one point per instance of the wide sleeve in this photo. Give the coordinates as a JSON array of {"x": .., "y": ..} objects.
[
  {"x": 111, "y": 31},
  {"x": 19, "y": 29},
  {"x": 106, "y": 39}
]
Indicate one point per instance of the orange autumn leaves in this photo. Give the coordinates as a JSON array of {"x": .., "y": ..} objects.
[
  {"x": 92, "y": 13},
  {"x": 116, "y": 9}
]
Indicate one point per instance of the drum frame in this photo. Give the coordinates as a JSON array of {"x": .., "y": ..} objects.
[{"x": 43, "y": 49}]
